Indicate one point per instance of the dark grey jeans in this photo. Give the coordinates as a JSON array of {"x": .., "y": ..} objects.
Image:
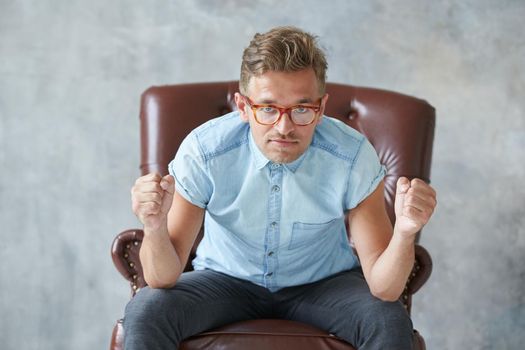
[{"x": 201, "y": 300}]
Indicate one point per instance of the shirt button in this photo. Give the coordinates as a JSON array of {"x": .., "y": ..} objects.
[
  {"x": 276, "y": 188},
  {"x": 273, "y": 224},
  {"x": 269, "y": 274},
  {"x": 270, "y": 253}
]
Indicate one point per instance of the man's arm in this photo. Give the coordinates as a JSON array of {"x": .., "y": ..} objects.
[
  {"x": 386, "y": 255},
  {"x": 171, "y": 225}
]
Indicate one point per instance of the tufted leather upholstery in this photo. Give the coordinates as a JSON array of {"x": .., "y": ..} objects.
[{"x": 400, "y": 127}]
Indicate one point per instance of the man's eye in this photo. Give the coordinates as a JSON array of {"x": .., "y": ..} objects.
[
  {"x": 300, "y": 110},
  {"x": 267, "y": 109}
]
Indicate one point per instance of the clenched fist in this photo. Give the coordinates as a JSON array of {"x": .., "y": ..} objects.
[
  {"x": 151, "y": 199},
  {"x": 414, "y": 204}
]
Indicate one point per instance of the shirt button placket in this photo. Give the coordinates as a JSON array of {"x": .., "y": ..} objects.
[{"x": 274, "y": 217}]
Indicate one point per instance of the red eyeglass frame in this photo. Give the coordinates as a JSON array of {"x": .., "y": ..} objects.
[{"x": 282, "y": 110}]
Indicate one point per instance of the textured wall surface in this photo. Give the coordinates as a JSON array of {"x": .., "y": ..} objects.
[{"x": 71, "y": 73}]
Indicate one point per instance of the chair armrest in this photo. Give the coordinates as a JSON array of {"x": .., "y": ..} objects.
[
  {"x": 419, "y": 275},
  {"x": 125, "y": 254},
  {"x": 422, "y": 270}
]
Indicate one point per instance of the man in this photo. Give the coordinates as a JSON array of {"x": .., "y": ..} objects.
[{"x": 274, "y": 181}]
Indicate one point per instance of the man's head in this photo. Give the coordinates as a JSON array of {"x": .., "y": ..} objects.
[
  {"x": 281, "y": 69},
  {"x": 282, "y": 49}
]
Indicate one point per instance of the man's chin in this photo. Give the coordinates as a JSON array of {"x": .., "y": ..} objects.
[{"x": 282, "y": 157}]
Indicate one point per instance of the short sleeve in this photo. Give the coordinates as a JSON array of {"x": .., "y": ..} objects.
[
  {"x": 365, "y": 175},
  {"x": 189, "y": 170}
]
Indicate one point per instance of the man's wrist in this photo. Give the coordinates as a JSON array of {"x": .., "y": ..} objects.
[
  {"x": 159, "y": 229},
  {"x": 404, "y": 237}
]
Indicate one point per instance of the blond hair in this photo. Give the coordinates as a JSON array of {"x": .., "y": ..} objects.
[{"x": 282, "y": 49}]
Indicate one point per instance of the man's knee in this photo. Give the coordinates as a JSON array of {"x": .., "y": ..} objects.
[
  {"x": 151, "y": 307},
  {"x": 394, "y": 312},
  {"x": 387, "y": 325},
  {"x": 152, "y": 320}
]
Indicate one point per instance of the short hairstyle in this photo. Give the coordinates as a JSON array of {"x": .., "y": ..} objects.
[{"x": 282, "y": 49}]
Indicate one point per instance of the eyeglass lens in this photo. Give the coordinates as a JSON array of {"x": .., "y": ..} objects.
[{"x": 299, "y": 115}]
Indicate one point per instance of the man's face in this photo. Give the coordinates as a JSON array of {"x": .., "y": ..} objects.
[{"x": 282, "y": 142}]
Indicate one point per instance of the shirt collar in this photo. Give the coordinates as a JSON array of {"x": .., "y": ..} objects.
[
  {"x": 261, "y": 161},
  {"x": 293, "y": 166}
]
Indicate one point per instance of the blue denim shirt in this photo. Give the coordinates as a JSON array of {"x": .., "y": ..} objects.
[{"x": 275, "y": 225}]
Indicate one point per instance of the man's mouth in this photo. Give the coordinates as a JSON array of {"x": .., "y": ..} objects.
[{"x": 283, "y": 142}]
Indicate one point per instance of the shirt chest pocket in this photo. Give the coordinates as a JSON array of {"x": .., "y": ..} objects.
[{"x": 304, "y": 234}]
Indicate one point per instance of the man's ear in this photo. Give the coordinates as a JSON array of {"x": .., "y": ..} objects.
[
  {"x": 321, "y": 110},
  {"x": 241, "y": 106}
]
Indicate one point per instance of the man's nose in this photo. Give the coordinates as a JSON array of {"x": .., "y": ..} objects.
[{"x": 284, "y": 125}]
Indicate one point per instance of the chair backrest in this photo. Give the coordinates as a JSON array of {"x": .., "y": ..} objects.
[{"x": 400, "y": 127}]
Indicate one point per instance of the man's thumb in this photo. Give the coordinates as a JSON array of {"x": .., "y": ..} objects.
[
  {"x": 167, "y": 183},
  {"x": 402, "y": 186}
]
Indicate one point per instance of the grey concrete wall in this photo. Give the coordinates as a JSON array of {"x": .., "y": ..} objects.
[{"x": 71, "y": 73}]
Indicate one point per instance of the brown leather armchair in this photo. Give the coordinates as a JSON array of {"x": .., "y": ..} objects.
[{"x": 400, "y": 127}]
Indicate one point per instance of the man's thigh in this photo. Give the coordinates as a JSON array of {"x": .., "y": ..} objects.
[
  {"x": 321, "y": 302},
  {"x": 199, "y": 301},
  {"x": 343, "y": 305}
]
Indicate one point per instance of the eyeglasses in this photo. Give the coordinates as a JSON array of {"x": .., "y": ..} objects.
[{"x": 270, "y": 114}]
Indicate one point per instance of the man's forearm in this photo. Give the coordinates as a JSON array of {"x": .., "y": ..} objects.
[
  {"x": 391, "y": 270},
  {"x": 160, "y": 262}
]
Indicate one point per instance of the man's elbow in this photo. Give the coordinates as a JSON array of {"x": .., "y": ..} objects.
[
  {"x": 385, "y": 295},
  {"x": 160, "y": 284}
]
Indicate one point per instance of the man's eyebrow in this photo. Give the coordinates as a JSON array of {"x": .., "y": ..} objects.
[{"x": 267, "y": 102}]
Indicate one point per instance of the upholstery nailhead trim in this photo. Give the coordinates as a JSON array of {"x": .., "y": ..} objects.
[{"x": 133, "y": 272}]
